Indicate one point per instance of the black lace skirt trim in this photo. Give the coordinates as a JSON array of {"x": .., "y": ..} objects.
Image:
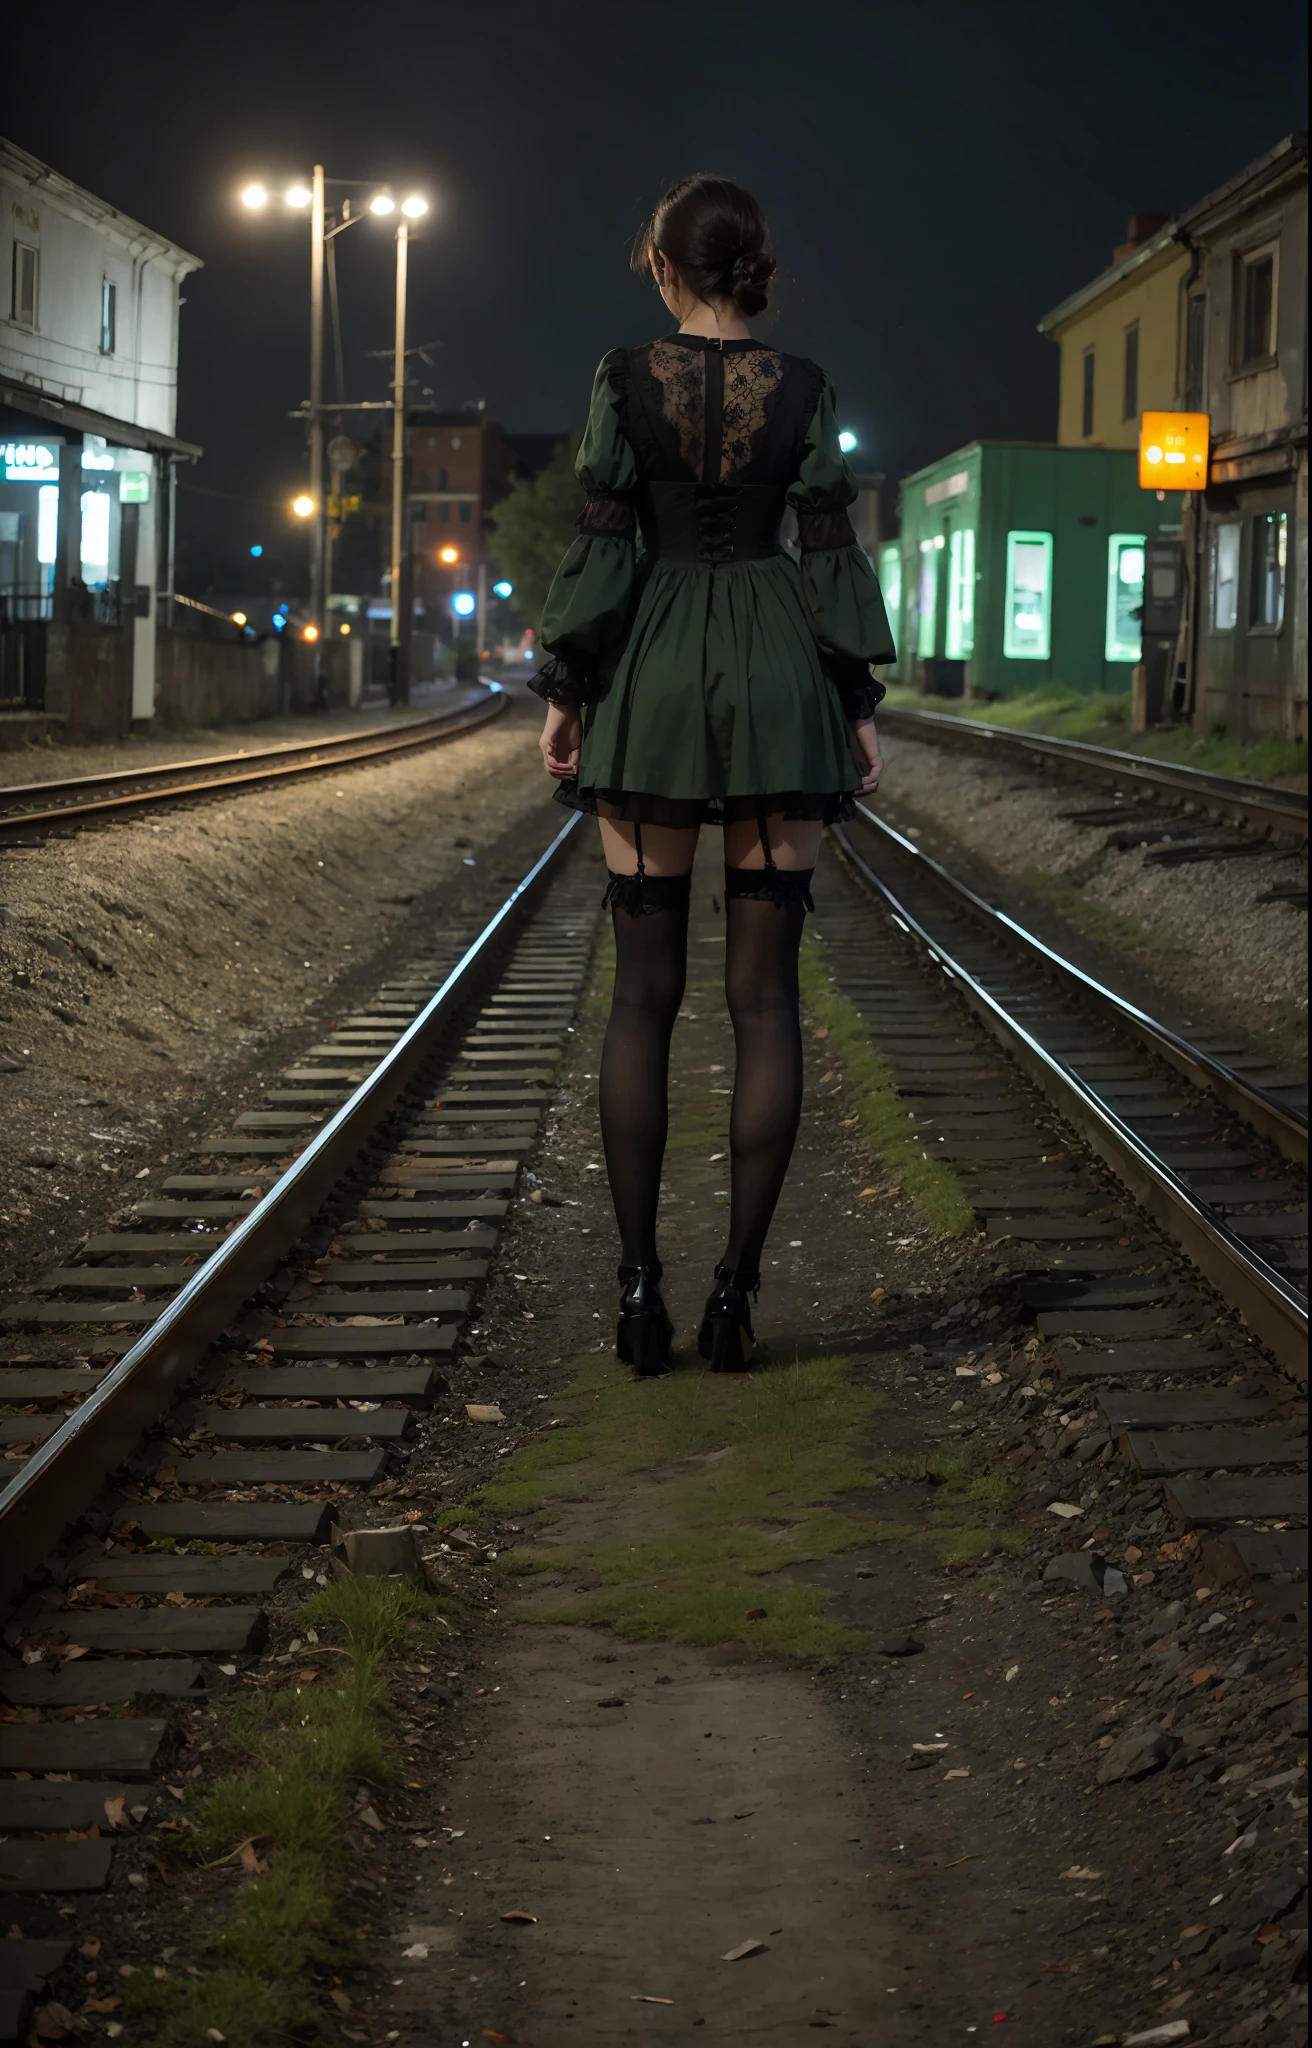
[{"x": 639, "y": 807}]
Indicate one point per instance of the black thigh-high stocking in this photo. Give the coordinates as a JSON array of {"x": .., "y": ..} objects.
[
  {"x": 764, "y": 933},
  {"x": 651, "y": 958}
]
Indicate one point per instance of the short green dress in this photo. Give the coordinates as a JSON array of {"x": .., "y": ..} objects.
[{"x": 713, "y": 668}]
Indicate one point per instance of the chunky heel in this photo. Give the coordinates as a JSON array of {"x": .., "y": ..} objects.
[
  {"x": 726, "y": 1336},
  {"x": 644, "y": 1334}
]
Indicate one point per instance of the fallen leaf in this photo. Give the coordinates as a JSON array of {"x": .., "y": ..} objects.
[
  {"x": 116, "y": 1815},
  {"x": 520, "y": 1919},
  {"x": 100, "y": 2005},
  {"x": 54, "y": 2022},
  {"x": 744, "y": 1948},
  {"x": 341, "y": 1999},
  {"x": 371, "y": 1820},
  {"x": 483, "y": 1411},
  {"x": 927, "y": 1748},
  {"x": 1064, "y": 1509},
  {"x": 90, "y": 1948},
  {"x": 962, "y": 1773},
  {"x": 251, "y": 1862},
  {"x": 754, "y": 1614},
  {"x": 491, "y": 2034},
  {"x": 1012, "y": 1671},
  {"x": 1078, "y": 1870},
  {"x": 416, "y": 1953}
]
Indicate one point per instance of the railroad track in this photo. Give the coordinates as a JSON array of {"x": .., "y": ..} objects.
[
  {"x": 175, "y": 1386},
  {"x": 1147, "y": 793},
  {"x": 1102, "y": 1146},
  {"x": 90, "y": 799}
]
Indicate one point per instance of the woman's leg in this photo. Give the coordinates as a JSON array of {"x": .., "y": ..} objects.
[
  {"x": 650, "y": 868},
  {"x": 764, "y": 933}
]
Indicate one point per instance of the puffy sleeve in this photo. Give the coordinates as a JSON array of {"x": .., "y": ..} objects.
[
  {"x": 588, "y": 605},
  {"x": 841, "y": 588}
]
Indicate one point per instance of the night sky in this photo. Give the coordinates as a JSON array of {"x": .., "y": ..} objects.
[{"x": 937, "y": 177}]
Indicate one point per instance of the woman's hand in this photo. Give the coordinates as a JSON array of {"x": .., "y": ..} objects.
[
  {"x": 865, "y": 746},
  {"x": 560, "y": 740}
]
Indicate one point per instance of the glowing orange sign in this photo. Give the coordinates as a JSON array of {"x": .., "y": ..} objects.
[{"x": 1173, "y": 451}]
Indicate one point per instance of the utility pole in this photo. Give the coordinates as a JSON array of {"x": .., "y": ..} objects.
[
  {"x": 319, "y": 527},
  {"x": 399, "y": 650}
]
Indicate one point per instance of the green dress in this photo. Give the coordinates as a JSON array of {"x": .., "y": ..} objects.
[{"x": 713, "y": 668}]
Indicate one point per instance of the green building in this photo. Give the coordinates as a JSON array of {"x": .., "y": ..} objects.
[{"x": 1021, "y": 563}]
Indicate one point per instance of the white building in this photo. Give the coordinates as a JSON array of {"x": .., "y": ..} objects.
[{"x": 89, "y": 305}]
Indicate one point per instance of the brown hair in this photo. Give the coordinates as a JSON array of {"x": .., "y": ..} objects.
[{"x": 716, "y": 236}]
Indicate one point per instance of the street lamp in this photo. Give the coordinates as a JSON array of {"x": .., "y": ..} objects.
[
  {"x": 304, "y": 506},
  {"x": 298, "y": 196},
  {"x": 847, "y": 440}
]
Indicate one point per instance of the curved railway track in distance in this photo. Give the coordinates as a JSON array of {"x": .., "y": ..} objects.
[
  {"x": 1258, "y": 807},
  {"x": 43, "y": 807}
]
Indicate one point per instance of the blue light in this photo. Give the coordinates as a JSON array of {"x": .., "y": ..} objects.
[
  {"x": 278, "y": 622},
  {"x": 847, "y": 440},
  {"x": 284, "y": 609},
  {"x": 464, "y": 604},
  {"x": 503, "y": 589},
  {"x": 257, "y": 551}
]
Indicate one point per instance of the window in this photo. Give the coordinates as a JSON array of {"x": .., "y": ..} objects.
[
  {"x": 959, "y": 639},
  {"x": 1195, "y": 339},
  {"x": 1225, "y": 576},
  {"x": 1027, "y": 618},
  {"x": 108, "y": 316},
  {"x": 466, "y": 513},
  {"x": 1130, "y": 389},
  {"x": 890, "y": 582},
  {"x": 95, "y": 539},
  {"x": 927, "y": 623},
  {"x": 1266, "y": 601},
  {"x": 1257, "y": 279},
  {"x": 444, "y": 513},
  {"x": 1125, "y": 566},
  {"x": 23, "y": 308},
  {"x": 1086, "y": 395},
  {"x": 441, "y": 477}
]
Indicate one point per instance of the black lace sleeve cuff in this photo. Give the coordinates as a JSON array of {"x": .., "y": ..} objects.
[
  {"x": 609, "y": 516},
  {"x": 560, "y": 681},
  {"x": 831, "y": 529},
  {"x": 859, "y": 692}
]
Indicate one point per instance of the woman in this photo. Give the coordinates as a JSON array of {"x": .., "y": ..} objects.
[{"x": 709, "y": 676}]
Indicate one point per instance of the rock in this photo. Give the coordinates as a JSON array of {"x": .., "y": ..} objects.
[
  {"x": 1090, "y": 1447},
  {"x": 94, "y": 957},
  {"x": 900, "y": 1646},
  {"x": 1241, "y": 1956},
  {"x": 376, "y": 1553},
  {"x": 1240, "y": 1666},
  {"x": 1298, "y": 1717},
  {"x": 1164, "y": 1622},
  {"x": 1136, "y": 1754},
  {"x": 40, "y": 1155},
  {"x": 1089, "y": 1572},
  {"x": 1275, "y": 1899}
]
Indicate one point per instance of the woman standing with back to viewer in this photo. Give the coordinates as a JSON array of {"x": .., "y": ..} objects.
[{"x": 709, "y": 678}]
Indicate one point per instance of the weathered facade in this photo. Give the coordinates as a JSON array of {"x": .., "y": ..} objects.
[
  {"x": 1243, "y": 648},
  {"x": 88, "y": 405},
  {"x": 1120, "y": 340}
]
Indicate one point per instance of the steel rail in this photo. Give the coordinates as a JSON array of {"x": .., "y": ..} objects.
[
  {"x": 65, "y": 1473},
  {"x": 139, "y": 787},
  {"x": 1283, "y": 1126},
  {"x": 1261, "y": 804},
  {"x": 1274, "y": 1312}
]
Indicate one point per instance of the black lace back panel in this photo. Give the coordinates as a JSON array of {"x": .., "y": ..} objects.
[{"x": 724, "y": 415}]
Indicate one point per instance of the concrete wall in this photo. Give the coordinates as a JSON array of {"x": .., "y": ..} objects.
[
  {"x": 89, "y": 679},
  {"x": 212, "y": 682}
]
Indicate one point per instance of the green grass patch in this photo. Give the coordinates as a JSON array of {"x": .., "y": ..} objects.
[
  {"x": 1102, "y": 718},
  {"x": 931, "y": 1183},
  {"x": 709, "y": 1488},
  {"x": 1286, "y": 1021},
  {"x": 964, "y": 1517},
  {"x": 299, "y": 1749}
]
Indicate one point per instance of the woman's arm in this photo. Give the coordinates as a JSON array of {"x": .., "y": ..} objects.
[
  {"x": 865, "y": 746},
  {"x": 559, "y": 744}
]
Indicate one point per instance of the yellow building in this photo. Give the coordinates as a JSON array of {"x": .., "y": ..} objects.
[{"x": 1121, "y": 339}]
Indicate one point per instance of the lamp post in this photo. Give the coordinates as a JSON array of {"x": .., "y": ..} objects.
[{"x": 298, "y": 196}]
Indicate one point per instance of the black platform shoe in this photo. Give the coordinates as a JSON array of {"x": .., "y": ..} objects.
[
  {"x": 726, "y": 1336},
  {"x": 645, "y": 1333}
]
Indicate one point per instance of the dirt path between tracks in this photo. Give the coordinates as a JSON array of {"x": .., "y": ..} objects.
[
  {"x": 644, "y": 1827},
  {"x": 157, "y": 973}
]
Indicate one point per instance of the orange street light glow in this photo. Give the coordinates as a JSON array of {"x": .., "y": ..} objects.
[
  {"x": 1173, "y": 450},
  {"x": 303, "y": 505},
  {"x": 448, "y": 555},
  {"x": 343, "y": 629},
  {"x": 239, "y": 618},
  {"x": 310, "y": 633}
]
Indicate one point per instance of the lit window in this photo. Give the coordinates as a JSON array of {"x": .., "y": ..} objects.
[
  {"x": 927, "y": 622},
  {"x": 1027, "y": 618},
  {"x": 1266, "y": 605},
  {"x": 95, "y": 539},
  {"x": 890, "y": 582},
  {"x": 1130, "y": 388},
  {"x": 47, "y": 522},
  {"x": 959, "y": 642},
  {"x": 1086, "y": 394},
  {"x": 108, "y": 316},
  {"x": 1125, "y": 566},
  {"x": 23, "y": 305},
  {"x": 1225, "y": 576},
  {"x": 1256, "y": 309}
]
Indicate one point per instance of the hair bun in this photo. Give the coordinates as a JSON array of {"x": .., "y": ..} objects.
[{"x": 753, "y": 268}]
